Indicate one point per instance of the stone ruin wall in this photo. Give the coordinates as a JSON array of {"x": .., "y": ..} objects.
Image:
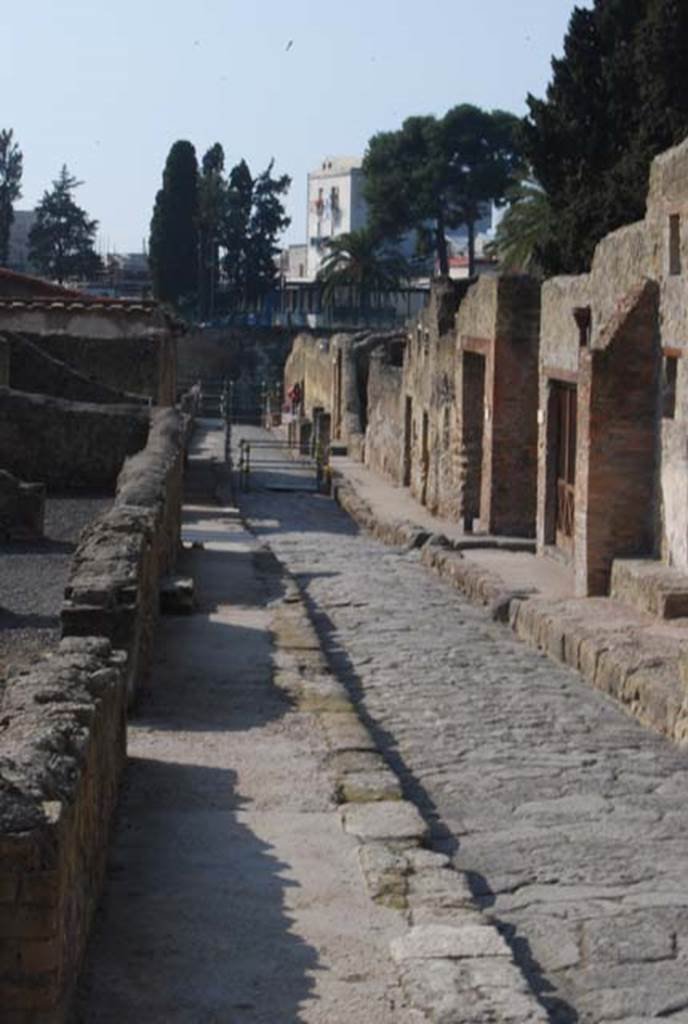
[
  {"x": 127, "y": 347},
  {"x": 67, "y": 445},
  {"x": 33, "y": 370},
  {"x": 430, "y": 384},
  {"x": 4, "y": 363},
  {"x": 384, "y": 439},
  {"x": 310, "y": 365},
  {"x": 623, "y": 262},
  {"x": 64, "y": 733},
  {"x": 143, "y": 365}
]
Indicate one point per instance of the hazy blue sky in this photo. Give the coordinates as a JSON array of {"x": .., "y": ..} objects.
[{"x": 107, "y": 87}]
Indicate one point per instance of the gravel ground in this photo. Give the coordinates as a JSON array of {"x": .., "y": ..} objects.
[{"x": 33, "y": 577}]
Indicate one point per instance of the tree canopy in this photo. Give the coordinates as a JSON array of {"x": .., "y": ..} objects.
[
  {"x": 618, "y": 96},
  {"x": 173, "y": 246},
  {"x": 61, "y": 241},
  {"x": 362, "y": 263},
  {"x": 11, "y": 165},
  {"x": 440, "y": 173}
]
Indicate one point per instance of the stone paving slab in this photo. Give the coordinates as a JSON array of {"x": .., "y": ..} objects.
[{"x": 567, "y": 816}]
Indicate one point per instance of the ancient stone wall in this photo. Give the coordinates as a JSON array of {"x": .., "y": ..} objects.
[
  {"x": 4, "y": 363},
  {"x": 431, "y": 436},
  {"x": 143, "y": 365},
  {"x": 384, "y": 443},
  {"x": 32, "y": 369},
  {"x": 113, "y": 585},
  {"x": 62, "y": 755},
  {"x": 67, "y": 445},
  {"x": 655, "y": 249},
  {"x": 310, "y": 364},
  {"x": 64, "y": 733}
]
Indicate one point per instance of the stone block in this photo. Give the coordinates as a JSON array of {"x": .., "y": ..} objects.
[
  {"x": 393, "y": 821},
  {"x": 361, "y": 787},
  {"x": 440, "y": 942},
  {"x": 345, "y": 731}
]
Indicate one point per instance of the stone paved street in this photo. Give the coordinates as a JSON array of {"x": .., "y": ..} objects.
[{"x": 570, "y": 818}]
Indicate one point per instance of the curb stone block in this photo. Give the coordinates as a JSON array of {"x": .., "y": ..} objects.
[
  {"x": 344, "y": 731},
  {"x": 395, "y": 821},
  {"x": 363, "y": 787}
]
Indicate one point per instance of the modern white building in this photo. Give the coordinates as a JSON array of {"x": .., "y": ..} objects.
[{"x": 335, "y": 205}]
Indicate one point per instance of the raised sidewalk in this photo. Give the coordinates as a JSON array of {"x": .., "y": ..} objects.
[{"x": 633, "y": 656}]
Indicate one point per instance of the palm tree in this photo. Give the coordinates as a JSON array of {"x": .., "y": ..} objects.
[
  {"x": 525, "y": 228},
  {"x": 361, "y": 261}
]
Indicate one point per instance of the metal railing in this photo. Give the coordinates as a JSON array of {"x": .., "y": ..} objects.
[{"x": 272, "y": 456}]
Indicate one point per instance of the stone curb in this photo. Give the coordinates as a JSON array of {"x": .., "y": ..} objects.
[
  {"x": 453, "y": 963},
  {"x": 648, "y": 680}
]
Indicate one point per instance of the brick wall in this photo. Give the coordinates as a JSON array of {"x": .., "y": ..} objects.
[{"x": 617, "y": 442}]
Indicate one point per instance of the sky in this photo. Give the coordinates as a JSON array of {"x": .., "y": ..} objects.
[{"x": 107, "y": 87}]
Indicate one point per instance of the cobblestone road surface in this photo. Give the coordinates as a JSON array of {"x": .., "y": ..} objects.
[{"x": 570, "y": 817}]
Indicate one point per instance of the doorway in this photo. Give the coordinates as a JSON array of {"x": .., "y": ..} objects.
[
  {"x": 565, "y": 409},
  {"x": 408, "y": 441}
]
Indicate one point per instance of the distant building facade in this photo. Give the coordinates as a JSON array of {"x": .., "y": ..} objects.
[{"x": 335, "y": 206}]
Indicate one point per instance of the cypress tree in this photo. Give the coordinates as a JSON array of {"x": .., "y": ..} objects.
[{"x": 173, "y": 247}]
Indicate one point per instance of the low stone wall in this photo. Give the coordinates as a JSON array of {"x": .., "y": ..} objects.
[
  {"x": 34, "y": 370},
  {"x": 64, "y": 732},
  {"x": 113, "y": 586},
  {"x": 63, "y": 750},
  {"x": 67, "y": 444}
]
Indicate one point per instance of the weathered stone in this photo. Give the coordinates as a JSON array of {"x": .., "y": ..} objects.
[
  {"x": 439, "y": 942},
  {"x": 394, "y": 821},
  {"x": 360, "y": 787}
]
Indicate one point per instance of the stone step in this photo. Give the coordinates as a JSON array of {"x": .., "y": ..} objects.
[{"x": 650, "y": 586}]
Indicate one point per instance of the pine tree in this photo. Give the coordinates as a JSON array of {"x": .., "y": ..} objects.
[
  {"x": 617, "y": 98},
  {"x": 62, "y": 238},
  {"x": 173, "y": 246}
]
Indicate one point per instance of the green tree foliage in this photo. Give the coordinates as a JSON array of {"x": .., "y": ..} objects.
[
  {"x": 173, "y": 246},
  {"x": 254, "y": 218},
  {"x": 11, "y": 165},
  {"x": 440, "y": 172},
  {"x": 618, "y": 96},
  {"x": 62, "y": 238},
  {"x": 360, "y": 262},
  {"x": 235, "y": 232},
  {"x": 212, "y": 196},
  {"x": 525, "y": 230}
]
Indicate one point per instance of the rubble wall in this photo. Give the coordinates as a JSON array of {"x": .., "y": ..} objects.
[
  {"x": 310, "y": 364},
  {"x": 64, "y": 733},
  {"x": 113, "y": 585},
  {"x": 4, "y": 364},
  {"x": 384, "y": 443},
  {"x": 63, "y": 751},
  {"x": 430, "y": 382},
  {"x": 141, "y": 365},
  {"x": 32, "y": 369},
  {"x": 67, "y": 445}
]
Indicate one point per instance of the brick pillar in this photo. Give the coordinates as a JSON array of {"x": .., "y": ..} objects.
[{"x": 617, "y": 442}]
